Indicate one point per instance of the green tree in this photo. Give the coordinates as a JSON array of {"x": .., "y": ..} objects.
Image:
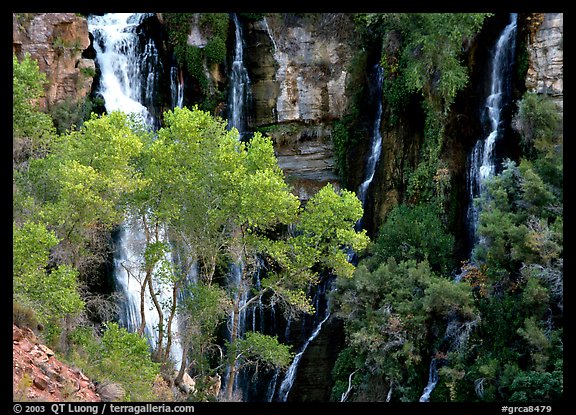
[
  {"x": 230, "y": 201},
  {"x": 32, "y": 130},
  {"x": 430, "y": 58},
  {"x": 201, "y": 311},
  {"x": 518, "y": 271},
  {"x": 519, "y": 222},
  {"x": 81, "y": 185},
  {"x": 416, "y": 232},
  {"x": 52, "y": 291},
  {"x": 260, "y": 350}
]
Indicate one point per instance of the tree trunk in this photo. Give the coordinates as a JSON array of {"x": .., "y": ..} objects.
[
  {"x": 170, "y": 319},
  {"x": 158, "y": 306},
  {"x": 142, "y": 307},
  {"x": 182, "y": 370}
]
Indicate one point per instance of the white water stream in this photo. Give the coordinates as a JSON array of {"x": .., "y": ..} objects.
[{"x": 128, "y": 75}]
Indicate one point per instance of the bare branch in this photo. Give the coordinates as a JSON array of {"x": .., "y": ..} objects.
[{"x": 345, "y": 394}]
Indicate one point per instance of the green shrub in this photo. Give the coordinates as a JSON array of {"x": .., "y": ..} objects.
[
  {"x": 24, "y": 316},
  {"x": 539, "y": 122},
  {"x": 416, "y": 232},
  {"x": 215, "y": 50},
  {"x": 118, "y": 357}
]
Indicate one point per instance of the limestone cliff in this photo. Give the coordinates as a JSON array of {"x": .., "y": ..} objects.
[
  {"x": 546, "y": 56},
  {"x": 298, "y": 65}
]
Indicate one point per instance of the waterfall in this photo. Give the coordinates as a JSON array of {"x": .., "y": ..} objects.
[
  {"x": 272, "y": 386},
  {"x": 176, "y": 87},
  {"x": 281, "y": 59},
  {"x": 128, "y": 276},
  {"x": 239, "y": 84},
  {"x": 291, "y": 372},
  {"x": 241, "y": 295},
  {"x": 270, "y": 35},
  {"x": 371, "y": 164},
  {"x": 376, "y": 148},
  {"x": 257, "y": 310},
  {"x": 240, "y": 298},
  {"x": 322, "y": 306},
  {"x": 432, "y": 381},
  {"x": 128, "y": 80},
  {"x": 131, "y": 241},
  {"x": 482, "y": 160},
  {"x": 127, "y": 73}
]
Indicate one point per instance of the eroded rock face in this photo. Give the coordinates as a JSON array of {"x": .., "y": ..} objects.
[
  {"x": 37, "y": 375},
  {"x": 311, "y": 71},
  {"x": 56, "y": 41},
  {"x": 546, "y": 57},
  {"x": 306, "y": 156},
  {"x": 298, "y": 67}
]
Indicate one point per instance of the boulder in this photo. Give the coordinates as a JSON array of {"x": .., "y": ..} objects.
[
  {"x": 110, "y": 392},
  {"x": 187, "y": 384}
]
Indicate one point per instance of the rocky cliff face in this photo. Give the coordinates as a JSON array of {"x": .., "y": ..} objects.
[
  {"x": 546, "y": 56},
  {"x": 56, "y": 41},
  {"x": 298, "y": 67}
]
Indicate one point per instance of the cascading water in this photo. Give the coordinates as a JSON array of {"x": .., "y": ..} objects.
[
  {"x": 176, "y": 87},
  {"x": 239, "y": 84},
  {"x": 126, "y": 263},
  {"x": 129, "y": 74},
  {"x": 257, "y": 312},
  {"x": 432, "y": 381},
  {"x": 482, "y": 160},
  {"x": 288, "y": 381},
  {"x": 240, "y": 298},
  {"x": 376, "y": 148},
  {"x": 322, "y": 307},
  {"x": 482, "y": 163},
  {"x": 238, "y": 98}
]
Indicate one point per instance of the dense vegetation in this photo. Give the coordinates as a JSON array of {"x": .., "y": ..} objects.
[
  {"x": 198, "y": 59},
  {"x": 493, "y": 326}
]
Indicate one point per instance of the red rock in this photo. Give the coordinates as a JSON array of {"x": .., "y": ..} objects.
[
  {"x": 41, "y": 359},
  {"x": 40, "y": 383},
  {"x": 17, "y": 334},
  {"x": 50, "y": 378},
  {"x": 46, "y": 350},
  {"x": 26, "y": 346}
]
